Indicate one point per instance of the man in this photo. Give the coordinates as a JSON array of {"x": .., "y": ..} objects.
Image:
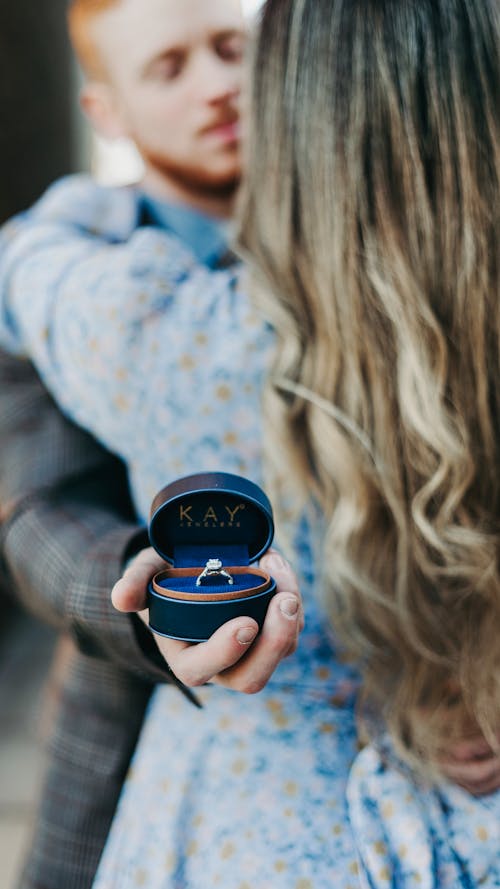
[
  {"x": 168, "y": 76},
  {"x": 166, "y": 73}
]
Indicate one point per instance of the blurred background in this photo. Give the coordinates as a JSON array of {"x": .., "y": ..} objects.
[{"x": 42, "y": 137}]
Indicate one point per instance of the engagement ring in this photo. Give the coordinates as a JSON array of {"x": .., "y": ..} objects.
[{"x": 214, "y": 568}]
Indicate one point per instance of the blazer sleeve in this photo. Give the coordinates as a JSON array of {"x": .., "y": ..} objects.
[
  {"x": 64, "y": 549},
  {"x": 67, "y": 524}
]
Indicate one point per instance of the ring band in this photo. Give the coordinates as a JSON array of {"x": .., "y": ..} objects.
[{"x": 214, "y": 568}]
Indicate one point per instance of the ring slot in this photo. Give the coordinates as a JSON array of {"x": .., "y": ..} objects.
[{"x": 158, "y": 585}]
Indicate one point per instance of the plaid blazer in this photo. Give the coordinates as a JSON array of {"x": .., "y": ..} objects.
[{"x": 67, "y": 526}]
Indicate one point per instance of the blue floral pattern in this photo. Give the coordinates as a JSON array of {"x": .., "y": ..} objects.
[{"x": 413, "y": 835}]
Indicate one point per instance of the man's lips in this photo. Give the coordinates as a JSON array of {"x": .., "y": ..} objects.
[{"x": 227, "y": 130}]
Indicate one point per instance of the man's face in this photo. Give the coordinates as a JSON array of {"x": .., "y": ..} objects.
[{"x": 175, "y": 71}]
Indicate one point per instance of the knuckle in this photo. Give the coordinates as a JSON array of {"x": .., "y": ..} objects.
[
  {"x": 198, "y": 681},
  {"x": 189, "y": 677},
  {"x": 490, "y": 773},
  {"x": 280, "y": 642},
  {"x": 483, "y": 770},
  {"x": 253, "y": 686}
]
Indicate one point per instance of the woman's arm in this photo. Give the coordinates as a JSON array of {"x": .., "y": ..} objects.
[{"x": 100, "y": 317}]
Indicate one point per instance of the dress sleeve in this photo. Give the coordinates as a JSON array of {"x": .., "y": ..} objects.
[{"x": 90, "y": 311}]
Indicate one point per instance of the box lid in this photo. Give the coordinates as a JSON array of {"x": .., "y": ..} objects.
[{"x": 211, "y": 514}]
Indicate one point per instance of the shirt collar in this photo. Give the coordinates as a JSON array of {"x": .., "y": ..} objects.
[{"x": 205, "y": 236}]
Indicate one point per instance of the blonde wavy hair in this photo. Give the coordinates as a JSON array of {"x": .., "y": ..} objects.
[{"x": 370, "y": 219}]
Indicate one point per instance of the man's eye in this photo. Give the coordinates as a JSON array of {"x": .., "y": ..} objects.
[
  {"x": 169, "y": 69},
  {"x": 231, "y": 49}
]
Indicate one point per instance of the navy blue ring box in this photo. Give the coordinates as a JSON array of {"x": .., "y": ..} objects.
[{"x": 209, "y": 516}]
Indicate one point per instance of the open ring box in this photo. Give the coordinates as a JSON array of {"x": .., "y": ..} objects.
[{"x": 197, "y": 519}]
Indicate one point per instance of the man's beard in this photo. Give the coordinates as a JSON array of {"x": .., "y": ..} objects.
[{"x": 196, "y": 180}]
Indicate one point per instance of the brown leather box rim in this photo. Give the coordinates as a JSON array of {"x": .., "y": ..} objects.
[{"x": 206, "y": 597}]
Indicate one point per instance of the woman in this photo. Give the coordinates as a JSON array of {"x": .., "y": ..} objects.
[
  {"x": 374, "y": 250},
  {"x": 377, "y": 251}
]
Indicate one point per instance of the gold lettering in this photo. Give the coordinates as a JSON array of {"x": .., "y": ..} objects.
[
  {"x": 232, "y": 512},
  {"x": 210, "y": 514},
  {"x": 185, "y": 513}
]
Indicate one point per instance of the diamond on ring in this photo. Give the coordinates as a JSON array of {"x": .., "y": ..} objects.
[{"x": 213, "y": 568}]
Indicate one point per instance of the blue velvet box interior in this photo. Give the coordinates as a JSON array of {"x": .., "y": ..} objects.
[{"x": 201, "y": 517}]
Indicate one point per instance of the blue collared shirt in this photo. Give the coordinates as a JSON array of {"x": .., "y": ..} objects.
[{"x": 206, "y": 236}]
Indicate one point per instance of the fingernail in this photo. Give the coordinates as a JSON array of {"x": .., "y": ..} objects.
[
  {"x": 246, "y": 635},
  {"x": 289, "y": 607},
  {"x": 275, "y": 562}
]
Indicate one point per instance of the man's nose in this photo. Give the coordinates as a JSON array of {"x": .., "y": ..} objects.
[{"x": 218, "y": 81}]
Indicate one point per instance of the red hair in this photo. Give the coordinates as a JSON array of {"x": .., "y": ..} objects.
[{"x": 80, "y": 15}]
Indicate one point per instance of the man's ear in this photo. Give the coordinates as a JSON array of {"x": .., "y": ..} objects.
[{"x": 98, "y": 102}]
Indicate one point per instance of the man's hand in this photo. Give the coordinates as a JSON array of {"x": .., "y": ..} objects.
[
  {"x": 235, "y": 656},
  {"x": 473, "y": 765}
]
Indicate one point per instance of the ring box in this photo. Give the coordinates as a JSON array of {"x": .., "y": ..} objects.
[{"x": 202, "y": 517}]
